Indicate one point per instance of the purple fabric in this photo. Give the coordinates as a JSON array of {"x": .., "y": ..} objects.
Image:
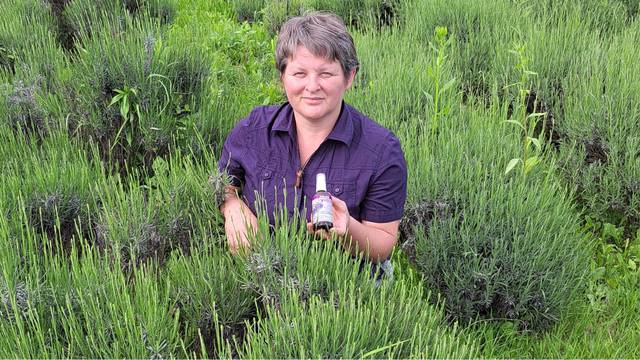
[{"x": 363, "y": 161}]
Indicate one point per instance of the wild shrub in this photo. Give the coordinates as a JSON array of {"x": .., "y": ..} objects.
[
  {"x": 495, "y": 246},
  {"x": 601, "y": 155},
  {"x": 52, "y": 184},
  {"x": 357, "y": 14},
  {"x": 351, "y": 329},
  {"x": 137, "y": 322},
  {"x": 28, "y": 47},
  {"x": 476, "y": 35},
  {"x": 134, "y": 97},
  {"x": 24, "y": 295},
  {"x": 240, "y": 63},
  {"x": 384, "y": 81},
  {"x": 23, "y": 111},
  {"x": 83, "y": 17},
  {"x": 604, "y": 18},
  {"x": 213, "y": 305},
  {"x": 145, "y": 223},
  {"x": 318, "y": 304}
]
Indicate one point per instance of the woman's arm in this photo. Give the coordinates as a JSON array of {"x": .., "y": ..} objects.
[{"x": 375, "y": 240}]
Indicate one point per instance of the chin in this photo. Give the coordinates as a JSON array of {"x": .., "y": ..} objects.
[{"x": 310, "y": 113}]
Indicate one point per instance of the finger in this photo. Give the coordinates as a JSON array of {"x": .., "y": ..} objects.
[
  {"x": 322, "y": 233},
  {"x": 233, "y": 245},
  {"x": 236, "y": 241},
  {"x": 335, "y": 201},
  {"x": 245, "y": 243},
  {"x": 310, "y": 227}
]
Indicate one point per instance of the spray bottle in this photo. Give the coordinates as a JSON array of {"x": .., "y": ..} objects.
[{"x": 321, "y": 206}]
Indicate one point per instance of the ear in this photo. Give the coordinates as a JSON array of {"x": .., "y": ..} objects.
[{"x": 352, "y": 75}]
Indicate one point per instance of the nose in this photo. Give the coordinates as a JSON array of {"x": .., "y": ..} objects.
[{"x": 312, "y": 84}]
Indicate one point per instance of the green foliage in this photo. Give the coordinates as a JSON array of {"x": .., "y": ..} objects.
[
  {"x": 27, "y": 44},
  {"x": 601, "y": 158},
  {"x": 127, "y": 99},
  {"x": 156, "y": 88},
  {"x": 212, "y": 302},
  {"x": 173, "y": 208},
  {"x": 318, "y": 304},
  {"x": 615, "y": 266},
  {"x": 362, "y": 14},
  {"x": 82, "y": 17},
  {"x": 598, "y": 322},
  {"x": 24, "y": 111},
  {"x": 494, "y": 249},
  {"x": 435, "y": 73},
  {"x": 54, "y": 184},
  {"x": 345, "y": 327},
  {"x": 477, "y": 39},
  {"x": 526, "y": 123},
  {"x": 239, "y": 57}
]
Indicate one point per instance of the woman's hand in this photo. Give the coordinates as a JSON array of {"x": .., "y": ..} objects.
[
  {"x": 375, "y": 240},
  {"x": 239, "y": 224},
  {"x": 341, "y": 219}
]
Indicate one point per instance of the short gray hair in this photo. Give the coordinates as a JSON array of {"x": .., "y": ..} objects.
[{"x": 323, "y": 34}]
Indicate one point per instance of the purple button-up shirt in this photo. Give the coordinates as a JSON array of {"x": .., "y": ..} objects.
[{"x": 363, "y": 163}]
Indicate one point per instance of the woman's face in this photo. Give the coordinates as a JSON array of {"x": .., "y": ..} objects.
[{"x": 315, "y": 86}]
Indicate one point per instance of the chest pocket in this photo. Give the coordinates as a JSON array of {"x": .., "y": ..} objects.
[{"x": 347, "y": 193}]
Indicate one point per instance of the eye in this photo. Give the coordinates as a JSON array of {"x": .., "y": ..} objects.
[
  {"x": 326, "y": 75},
  {"x": 298, "y": 74}
]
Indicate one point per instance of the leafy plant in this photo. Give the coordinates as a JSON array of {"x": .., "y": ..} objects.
[
  {"x": 435, "y": 73},
  {"x": 531, "y": 146},
  {"x": 129, "y": 104},
  {"x": 615, "y": 264}
]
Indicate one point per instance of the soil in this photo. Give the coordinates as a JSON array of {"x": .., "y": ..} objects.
[
  {"x": 596, "y": 150},
  {"x": 546, "y": 123},
  {"x": 386, "y": 14},
  {"x": 65, "y": 33},
  {"x": 232, "y": 333}
]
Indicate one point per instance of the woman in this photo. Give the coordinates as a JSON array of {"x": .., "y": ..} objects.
[{"x": 277, "y": 151}]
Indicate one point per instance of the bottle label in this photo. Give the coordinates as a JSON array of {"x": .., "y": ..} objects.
[{"x": 321, "y": 209}]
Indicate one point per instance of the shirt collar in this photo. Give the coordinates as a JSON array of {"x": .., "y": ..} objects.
[{"x": 342, "y": 130}]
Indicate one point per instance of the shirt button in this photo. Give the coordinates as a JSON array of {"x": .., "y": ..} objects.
[
  {"x": 337, "y": 190},
  {"x": 266, "y": 174}
]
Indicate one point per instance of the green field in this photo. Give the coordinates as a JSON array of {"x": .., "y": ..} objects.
[{"x": 520, "y": 124}]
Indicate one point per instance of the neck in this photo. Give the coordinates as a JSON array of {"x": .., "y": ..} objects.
[
  {"x": 309, "y": 130},
  {"x": 315, "y": 129}
]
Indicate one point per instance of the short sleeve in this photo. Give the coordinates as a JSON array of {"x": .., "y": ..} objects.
[
  {"x": 387, "y": 191},
  {"x": 232, "y": 153}
]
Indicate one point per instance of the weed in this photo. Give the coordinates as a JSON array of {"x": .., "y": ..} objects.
[
  {"x": 435, "y": 73},
  {"x": 531, "y": 145},
  {"x": 129, "y": 104},
  {"x": 8, "y": 58}
]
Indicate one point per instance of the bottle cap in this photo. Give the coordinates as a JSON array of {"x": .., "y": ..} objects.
[{"x": 321, "y": 182}]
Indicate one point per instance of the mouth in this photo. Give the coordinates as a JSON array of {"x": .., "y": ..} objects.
[{"x": 312, "y": 99}]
